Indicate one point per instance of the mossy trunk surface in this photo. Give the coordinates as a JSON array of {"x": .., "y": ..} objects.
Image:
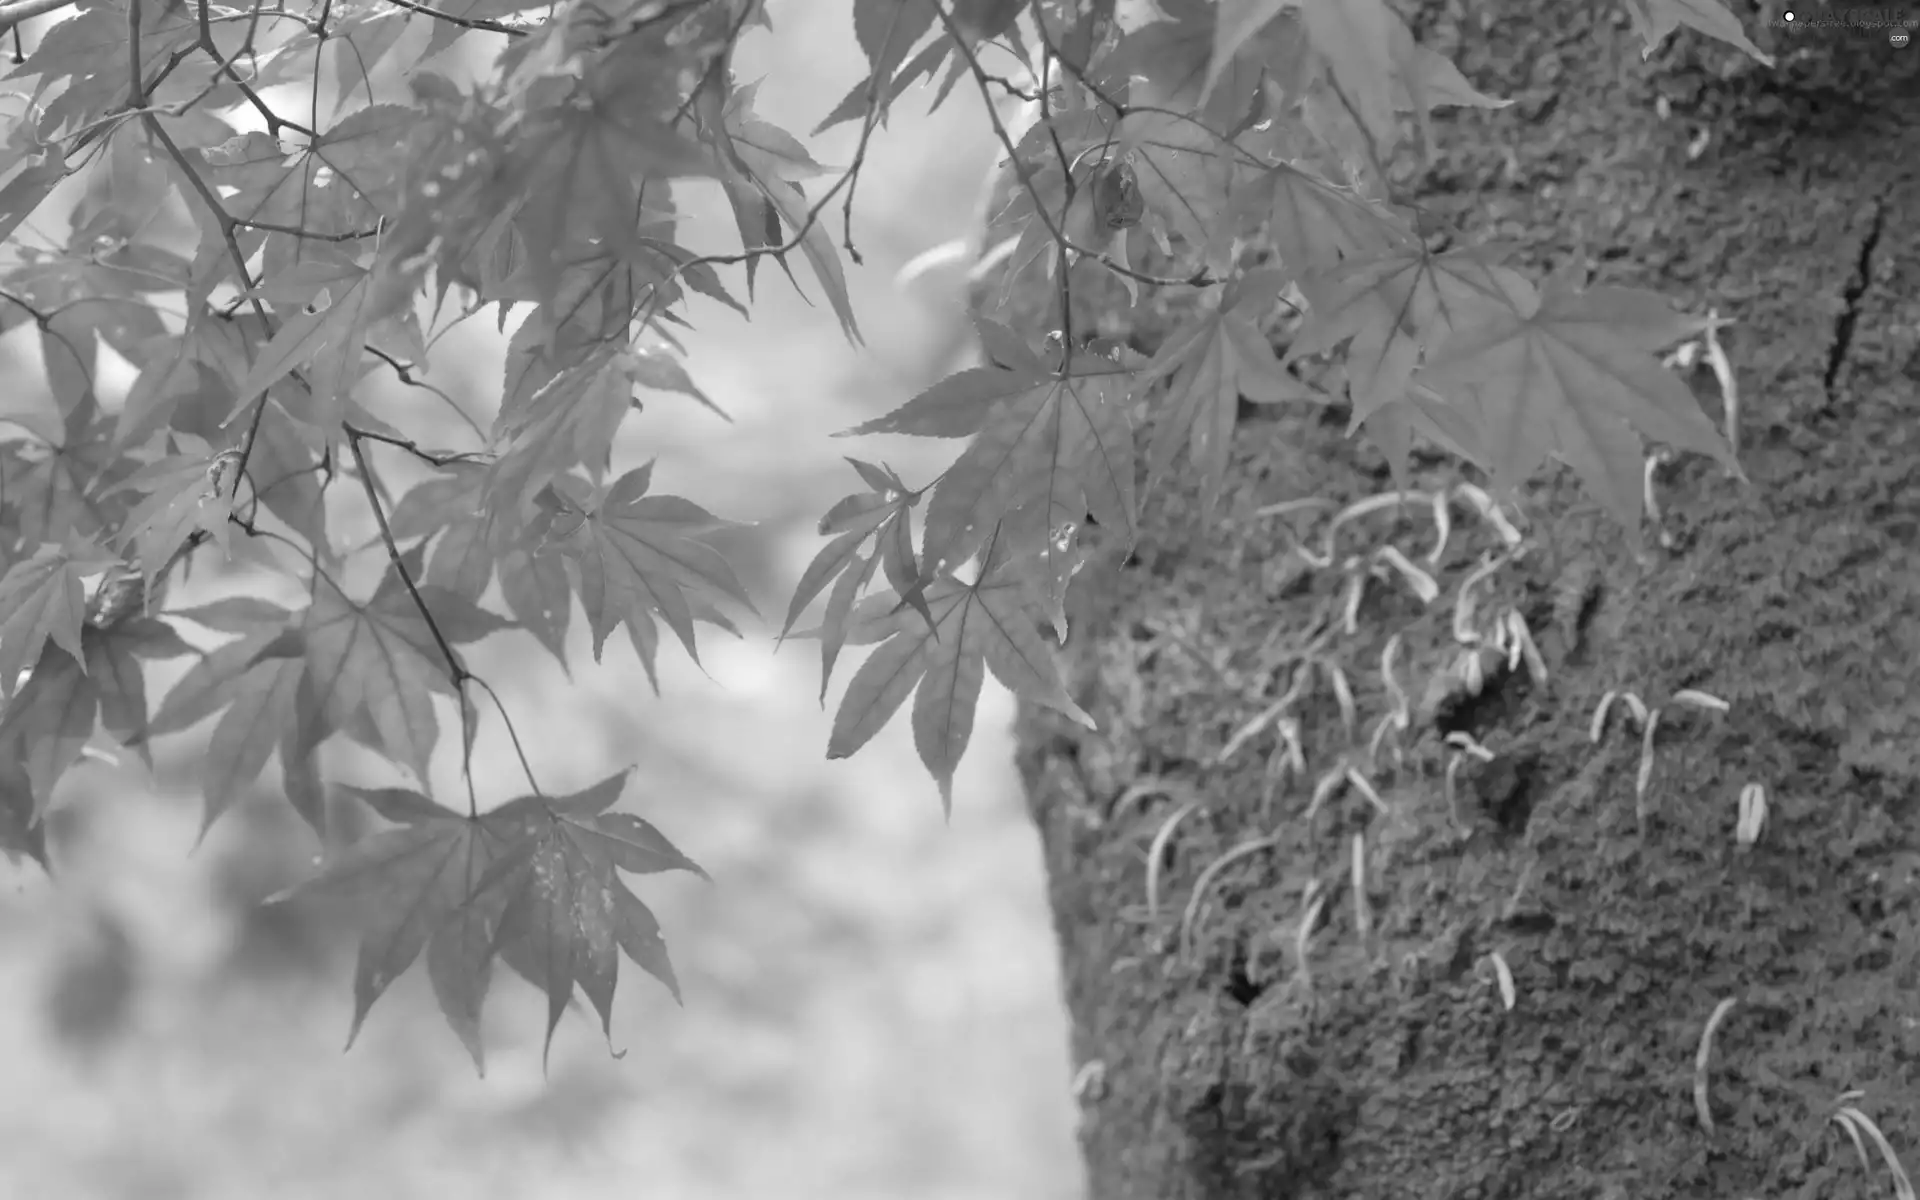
[{"x": 1392, "y": 1068}]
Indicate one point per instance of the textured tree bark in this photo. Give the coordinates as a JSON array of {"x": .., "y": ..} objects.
[{"x": 1387, "y": 1065}]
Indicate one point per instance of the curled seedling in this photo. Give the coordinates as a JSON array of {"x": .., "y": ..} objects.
[
  {"x": 1636, "y": 707},
  {"x": 1464, "y": 600},
  {"x": 1701, "y": 1058},
  {"x": 1704, "y": 701},
  {"x": 1342, "y": 694},
  {"x": 1205, "y": 881},
  {"x": 1471, "y": 670},
  {"x": 1090, "y": 1081},
  {"x": 1388, "y": 727},
  {"x": 1362, "y": 908},
  {"x": 1857, "y": 1124},
  {"x": 1503, "y": 979},
  {"x": 1490, "y": 512},
  {"x": 1442, "y": 528},
  {"x": 1402, "y": 714},
  {"x": 1650, "y": 499},
  {"x": 1147, "y": 787},
  {"x": 1356, "y": 589},
  {"x": 1287, "y": 758},
  {"x": 1312, "y": 902},
  {"x": 1255, "y": 726},
  {"x": 1644, "y": 778},
  {"x": 1421, "y": 583},
  {"x": 1521, "y": 649},
  {"x": 1716, "y": 356},
  {"x": 1157, "y": 851},
  {"x": 1453, "y": 789},
  {"x": 1360, "y": 783},
  {"x": 1463, "y": 741},
  {"x": 1752, "y": 818},
  {"x": 1366, "y": 507}
]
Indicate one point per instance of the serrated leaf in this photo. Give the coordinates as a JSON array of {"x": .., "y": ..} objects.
[
  {"x": 1314, "y": 225},
  {"x": 956, "y": 406},
  {"x": 1565, "y": 379},
  {"x": 1655, "y": 19},
  {"x": 562, "y": 921},
  {"x": 638, "y": 555},
  {"x": 42, "y": 600},
  {"x": 1063, "y": 447},
  {"x": 988, "y": 622},
  {"x": 1212, "y": 362},
  {"x": 47, "y": 724},
  {"x": 417, "y": 886},
  {"x": 1394, "y": 304}
]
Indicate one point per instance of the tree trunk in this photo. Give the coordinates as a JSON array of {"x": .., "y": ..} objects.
[{"x": 1387, "y": 1065}]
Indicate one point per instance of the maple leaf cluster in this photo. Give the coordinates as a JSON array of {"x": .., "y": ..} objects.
[{"x": 258, "y": 263}]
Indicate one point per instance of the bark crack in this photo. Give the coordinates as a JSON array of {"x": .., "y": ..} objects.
[{"x": 1856, "y": 288}]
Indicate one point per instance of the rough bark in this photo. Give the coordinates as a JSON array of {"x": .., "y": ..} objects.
[{"x": 1396, "y": 1071}]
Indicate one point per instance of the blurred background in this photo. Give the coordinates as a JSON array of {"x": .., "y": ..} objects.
[{"x": 872, "y": 995}]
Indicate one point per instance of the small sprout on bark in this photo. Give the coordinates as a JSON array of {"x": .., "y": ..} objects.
[
  {"x": 1157, "y": 851},
  {"x": 1312, "y": 902},
  {"x": 1389, "y": 726},
  {"x": 1597, "y": 728},
  {"x": 1753, "y": 815},
  {"x": 1422, "y": 583},
  {"x": 1342, "y": 694},
  {"x": 1453, "y": 791},
  {"x": 1442, "y": 527},
  {"x": 1327, "y": 786},
  {"x": 1856, "y": 1123},
  {"x": 1463, "y": 606},
  {"x": 1151, "y": 785},
  {"x": 1461, "y": 740},
  {"x": 1645, "y": 776},
  {"x": 1704, "y": 701},
  {"x": 1523, "y": 649},
  {"x": 1729, "y": 387},
  {"x": 1213, "y": 869},
  {"x": 1490, "y": 512},
  {"x": 1503, "y": 978},
  {"x": 1252, "y": 729},
  {"x": 1402, "y": 713},
  {"x": 1365, "y": 787},
  {"x": 1472, "y": 672},
  {"x": 1636, "y": 707},
  {"x": 1362, "y": 911},
  {"x": 1356, "y": 587},
  {"x": 1090, "y": 1081},
  {"x": 1700, "y": 1059},
  {"x": 1361, "y": 508}
]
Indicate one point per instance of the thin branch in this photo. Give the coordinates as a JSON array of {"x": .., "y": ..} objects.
[
  {"x": 456, "y": 672},
  {"x": 462, "y": 22},
  {"x": 25, "y": 10},
  {"x": 513, "y": 735},
  {"x": 427, "y": 456}
]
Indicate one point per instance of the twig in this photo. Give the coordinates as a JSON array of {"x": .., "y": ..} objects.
[
  {"x": 25, "y": 10},
  {"x": 455, "y": 670}
]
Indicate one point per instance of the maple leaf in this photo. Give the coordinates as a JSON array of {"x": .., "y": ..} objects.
[
  {"x": 415, "y": 888},
  {"x": 535, "y": 881},
  {"x": 186, "y": 493},
  {"x": 1212, "y": 361},
  {"x": 20, "y": 833},
  {"x": 585, "y": 159},
  {"x": 1655, "y": 19},
  {"x": 1394, "y": 304},
  {"x": 636, "y": 555},
  {"x": 374, "y": 666},
  {"x": 567, "y": 912},
  {"x": 987, "y": 623},
  {"x": 47, "y": 724},
  {"x": 1062, "y": 447},
  {"x": 1572, "y": 376},
  {"x": 1213, "y": 59},
  {"x": 41, "y": 600},
  {"x": 1314, "y": 225}
]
